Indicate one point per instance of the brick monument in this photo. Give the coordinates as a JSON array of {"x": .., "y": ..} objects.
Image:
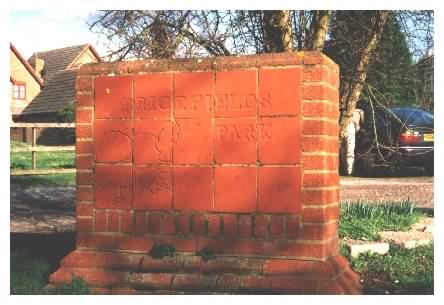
[{"x": 227, "y": 167}]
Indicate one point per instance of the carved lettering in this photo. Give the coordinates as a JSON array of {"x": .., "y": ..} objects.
[
  {"x": 266, "y": 99},
  {"x": 152, "y": 103},
  {"x": 194, "y": 102},
  {"x": 157, "y": 181},
  {"x": 126, "y": 104},
  {"x": 232, "y": 102},
  {"x": 264, "y": 132},
  {"x": 236, "y": 132}
]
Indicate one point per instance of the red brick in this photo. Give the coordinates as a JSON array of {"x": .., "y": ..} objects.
[
  {"x": 152, "y": 141},
  {"x": 191, "y": 101},
  {"x": 286, "y": 248},
  {"x": 280, "y": 91},
  {"x": 319, "y": 144},
  {"x": 320, "y": 180},
  {"x": 168, "y": 224},
  {"x": 96, "y": 241},
  {"x": 199, "y": 225},
  {"x": 320, "y": 109},
  {"x": 84, "y": 115},
  {"x": 293, "y": 226},
  {"x": 214, "y": 225},
  {"x": 84, "y": 224},
  {"x": 84, "y": 209},
  {"x": 84, "y": 162},
  {"x": 320, "y": 197},
  {"x": 139, "y": 222},
  {"x": 84, "y": 178},
  {"x": 189, "y": 134},
  {"x": 245, "y": 225},
  {"x": 133, "y": 243},
  {"x": 318, "y": 92},
  {"x": 320, "y": 127},
  {"x": 235, "y": 189},
  {"x": 101, "y": 222},
  {"x": 229, "y": 225},
  {"x": 84, "y": 99},
  {"x": 277, "y": 227},
  {"x": 113, "y": 186},
  {"x": 126, "y": 222},
  {"x": 218, "y": 246},
  {"x": 193, "y": 188},
  {"x": 181, "y": 245},
  {"x": 316, "y": 74},
  {"x": 280, "y": 141},
  {"x": 260, "y": 226},
  {"x": 235, "y": 140},
  {"x": 320, "y": 162},
  {"x": 319, "y": 231},
  {"x": 113, "y": 97},
  {"x": 84, "y": 131},
  {"x": 184, "y": 224},
  {"x": 279, "y": 189},
  {"x": 236, "y": 93},
  {"x": 113, "y": 221},
  {"x": 320, "y": 215},
  {"x": 154, "y": 221},
  {"x": 84, "y": 147},
  {"x": 317, "y": 58},
  {"x": 287, "y": 267},
  {"x": 84, "y": 84},
  {"x": 188, "y": 282},
  {"x": 113, "y": 141},
  {"x": 330, "y": 287},
  {"x": 84, "y": 193},
  {"x": 254, "y": 247},
  {"x": 153, "y": 188},
  {"x": 153, "y": 96}
]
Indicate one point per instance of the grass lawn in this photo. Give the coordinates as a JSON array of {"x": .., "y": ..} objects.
[
  {"x": 364, "y": 220},
  {"x": 58, "y": 159},
  {"x": 44, "y": 160}
]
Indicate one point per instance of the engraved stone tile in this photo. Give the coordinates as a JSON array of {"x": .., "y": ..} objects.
[
  {"x": 152, "y": 188},
  {"x": 113, "y": 186},
  {"x": 113, "y": 97},
  {"x": 153, "y": 96},
  {"x": 113, "y": 141},
  {"x": 152, "y": 141}
]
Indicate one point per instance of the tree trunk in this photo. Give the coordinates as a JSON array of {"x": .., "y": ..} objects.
[
  {"x": 321, "y": 20},
  {"x": 352, "y": 88},
  {"x": 277, "y": 31}
]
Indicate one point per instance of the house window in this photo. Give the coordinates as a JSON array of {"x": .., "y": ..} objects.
[{"x": 19, "y": 91}]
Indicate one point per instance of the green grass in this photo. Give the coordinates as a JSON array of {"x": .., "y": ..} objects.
[
  {"x": 406, "y": 271},
  {"x": 364, "y": 220},
  {"x": 23, "y": 160},
  {"x": 51, "y": 179},
  {"x": 29, "y": 275}
]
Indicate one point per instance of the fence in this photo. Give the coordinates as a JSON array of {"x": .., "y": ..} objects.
[{"x": 33, "y": 149}]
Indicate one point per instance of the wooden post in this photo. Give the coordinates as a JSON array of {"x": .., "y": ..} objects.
[{"x": 34, "y": 161}]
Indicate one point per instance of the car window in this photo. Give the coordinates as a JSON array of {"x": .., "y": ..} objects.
[{"x": 414, "y": 116}]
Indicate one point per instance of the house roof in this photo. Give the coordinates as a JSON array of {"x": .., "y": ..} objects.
[
  {"x": 26, "y": 64},
  {"x": 59, "y": 79},
  {"x": 61, "y": 59},
  {"x": 58, "y": 93}
]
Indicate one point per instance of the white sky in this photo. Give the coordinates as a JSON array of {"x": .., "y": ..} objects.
[{"x": 42, "y": 30}]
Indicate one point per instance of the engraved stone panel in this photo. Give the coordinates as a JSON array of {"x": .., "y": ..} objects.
[
  {"x": 193, "y": 188},
  {"x": 153, "y": 96},
  {"x": 113, "y": 97},
  {"x": 193, "y": 141},
  {"x": 280, "y": 91},
  {"x": 113, "y": 186},
  {"x": 152, "y": 188},
  {"x": 152, "y": 141},
  {"x": 194, "y": 95},
  {"x": 113, "y": 141},
  {"x": 236, "y": 94}
]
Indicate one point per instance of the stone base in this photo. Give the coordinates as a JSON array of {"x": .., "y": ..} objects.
[{"x": 136, "y": 273}]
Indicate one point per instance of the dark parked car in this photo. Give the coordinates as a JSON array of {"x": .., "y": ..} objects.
[{"x": 395, "y": 138}]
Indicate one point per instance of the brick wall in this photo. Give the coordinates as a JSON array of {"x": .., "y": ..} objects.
[{"x": 234, "y": 155}]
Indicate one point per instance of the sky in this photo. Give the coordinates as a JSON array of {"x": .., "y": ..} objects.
[{"x": 41, "y": 30}]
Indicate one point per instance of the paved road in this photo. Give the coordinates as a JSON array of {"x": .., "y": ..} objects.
[
  {"x": 417, "y": 189},
  {"x": 51, "y": 209}
]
